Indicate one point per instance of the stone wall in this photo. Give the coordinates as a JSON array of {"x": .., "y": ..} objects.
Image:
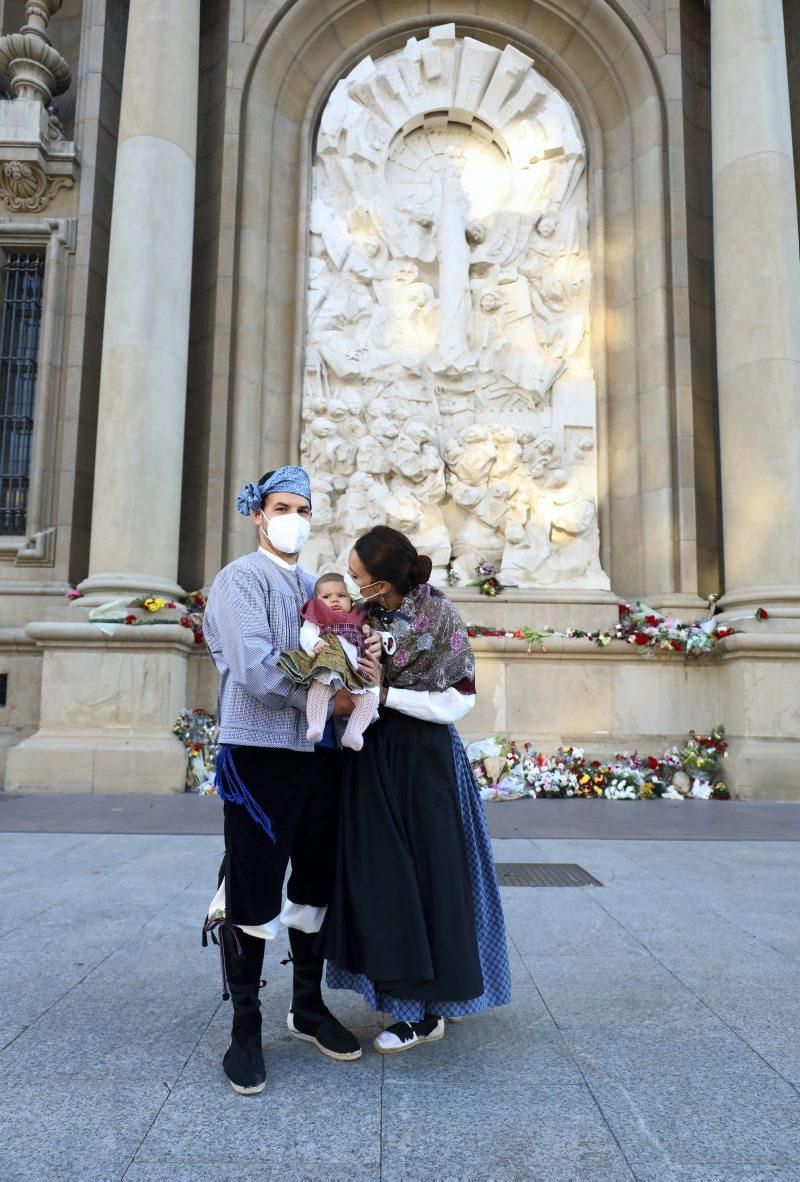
[{"x": 700, "y": 243}]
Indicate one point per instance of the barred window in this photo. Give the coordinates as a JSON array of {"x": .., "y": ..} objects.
[{"x": 23, "y": 279}]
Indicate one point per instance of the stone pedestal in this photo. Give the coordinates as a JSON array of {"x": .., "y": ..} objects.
[{"x": 110, "y": 695}]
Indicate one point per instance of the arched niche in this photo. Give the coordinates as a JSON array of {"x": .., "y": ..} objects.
[{"x": 603, "y": 60}]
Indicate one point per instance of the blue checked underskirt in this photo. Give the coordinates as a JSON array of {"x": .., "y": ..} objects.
[{"x": 489, "y": 923}]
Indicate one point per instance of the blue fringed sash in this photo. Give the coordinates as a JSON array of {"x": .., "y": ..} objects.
[{"x": 230, "y": 787}]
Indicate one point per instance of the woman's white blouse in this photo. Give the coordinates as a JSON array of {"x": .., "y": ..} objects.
[{"x": 431, "y": 705}]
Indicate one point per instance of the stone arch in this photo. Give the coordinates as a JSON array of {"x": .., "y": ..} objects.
[{"x": 601, "y": 56}]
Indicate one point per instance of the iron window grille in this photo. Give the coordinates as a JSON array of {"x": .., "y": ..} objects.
[{"x": 20, "y": 322}]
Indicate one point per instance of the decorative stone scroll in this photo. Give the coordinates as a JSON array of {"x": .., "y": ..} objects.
[{"x": 448, "y": 385}]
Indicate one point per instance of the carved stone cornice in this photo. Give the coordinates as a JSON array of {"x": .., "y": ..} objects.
[{"x": 36, "y": 69}]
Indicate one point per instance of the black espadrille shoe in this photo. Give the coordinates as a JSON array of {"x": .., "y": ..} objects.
[
  {"x": 242, "y": 957},
  {"x": 326, "y": 1033},
  {"x": 309, "y": 1018},
  {"x": 243, "y": 1062}
]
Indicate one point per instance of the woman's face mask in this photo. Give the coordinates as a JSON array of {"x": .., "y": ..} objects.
[
  {"x": 356, "y": 593},
  {"x": 287, "y": 532}
]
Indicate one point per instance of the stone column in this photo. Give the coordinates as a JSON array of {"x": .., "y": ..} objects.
[
  {"x": 140, "y": 426},
  {"x": 757, "y": 279}
]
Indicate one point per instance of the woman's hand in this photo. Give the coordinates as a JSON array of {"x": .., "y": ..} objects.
[{"x": 369, "y": 663}]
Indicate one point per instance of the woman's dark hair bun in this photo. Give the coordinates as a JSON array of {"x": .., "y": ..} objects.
[
  {"x": 388, "y": 554},
  {"x": 422, "y": 569}
]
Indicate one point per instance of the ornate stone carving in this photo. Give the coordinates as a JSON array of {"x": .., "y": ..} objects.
[
  {"x": 36, "y": 70},
  {"x": 25, "y": 186},
  {"x": 448, "y": 380}
]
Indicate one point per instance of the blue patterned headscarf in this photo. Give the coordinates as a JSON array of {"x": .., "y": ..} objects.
[{"x": 289, "y": 479}]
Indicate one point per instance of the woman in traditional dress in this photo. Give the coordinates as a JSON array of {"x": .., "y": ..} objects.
[{"x": 416, "y": 923}]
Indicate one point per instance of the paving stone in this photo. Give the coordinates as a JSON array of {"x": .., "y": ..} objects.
[
  {"x": 88, "y": 1131},
  {"x": 517, "y": 1128},
  {"x": 675, "y": 1096},
  {"x": 624, "y": 1053}
]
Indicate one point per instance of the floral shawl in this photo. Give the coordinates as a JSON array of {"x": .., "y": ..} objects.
[{"x": 433, "y": 651}]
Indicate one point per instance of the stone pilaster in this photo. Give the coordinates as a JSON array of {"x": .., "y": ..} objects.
[
  {"x": 757, "y": 280},
  {"x": 138, "y": 465}
]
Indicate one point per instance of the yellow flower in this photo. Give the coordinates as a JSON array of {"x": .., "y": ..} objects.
[{"x": 153, "y": 605}]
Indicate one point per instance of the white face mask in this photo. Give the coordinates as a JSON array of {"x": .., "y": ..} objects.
[
  {"x": 355, "y": 592},
  {"x": 288, "y": 532}
]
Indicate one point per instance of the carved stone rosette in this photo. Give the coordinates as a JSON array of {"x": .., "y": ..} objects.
[{"x": 26, "y": 187}]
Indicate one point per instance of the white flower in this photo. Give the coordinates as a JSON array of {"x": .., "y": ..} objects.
[
  {"x": 701, "y": 789},
  {"x": 483, "y": 749}
]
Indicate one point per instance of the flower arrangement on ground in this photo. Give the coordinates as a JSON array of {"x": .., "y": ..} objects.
[
  {"x": 197, "y": 730},
  {"x": 507, "y": 770},
  {"x": 498, "y": 765}
]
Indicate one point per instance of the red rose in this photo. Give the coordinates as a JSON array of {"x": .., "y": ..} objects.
[
  {"x": 652, "y": 621},
  {"x": 676, "y": 644},
  {"x": 130, "y": 619},
  {"x": 762, "y": 614},
  {"x": 652, "y": 762},
  {"x": 185, "y": 622},
  {"x": 641, "y": 639}
]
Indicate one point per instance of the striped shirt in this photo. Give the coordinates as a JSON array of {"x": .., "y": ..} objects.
[{"x": 252, "y": 616}]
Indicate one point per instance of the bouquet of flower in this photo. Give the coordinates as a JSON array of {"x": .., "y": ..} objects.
[
  {"x": 625, "y": 782},
  {"x": 701, "y": 759},
  {"x": 555, "y": 775},
  {"x": 647, "y": 629},
  {"x": 197, "y": 730},
  {"x": 497, "y": 764},
  {"x": 487, "y": 582}
]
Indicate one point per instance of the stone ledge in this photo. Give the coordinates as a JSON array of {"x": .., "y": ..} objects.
[{"x": 57, "y": 635}]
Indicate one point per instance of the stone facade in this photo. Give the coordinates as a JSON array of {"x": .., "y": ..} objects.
[{"x": 183, "y": 205}]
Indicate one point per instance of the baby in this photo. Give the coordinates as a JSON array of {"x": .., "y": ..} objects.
[{"x": 331, "y": 639}]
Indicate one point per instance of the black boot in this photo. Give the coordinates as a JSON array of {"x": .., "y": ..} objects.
[
  {"x": 309, "y": 1017},
  {"x": 243, "y": 1062}
]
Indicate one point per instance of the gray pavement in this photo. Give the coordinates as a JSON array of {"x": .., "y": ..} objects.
[
  {"x": 692, "y": 820},
  {"x": 653, "y": 1032}
]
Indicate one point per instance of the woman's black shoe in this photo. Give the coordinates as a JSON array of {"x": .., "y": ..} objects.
[{"x": 402, "y": 1036}]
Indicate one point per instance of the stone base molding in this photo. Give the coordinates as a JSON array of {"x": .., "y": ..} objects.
[
  {"x": 110, "y": 695},
  {"x": 613, "y": 699}
]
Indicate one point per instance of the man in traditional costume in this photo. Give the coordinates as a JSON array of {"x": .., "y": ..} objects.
[{"x": 281, "y": 792}]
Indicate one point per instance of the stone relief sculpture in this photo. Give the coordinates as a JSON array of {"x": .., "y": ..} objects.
[{"x": 447, "y": 369}]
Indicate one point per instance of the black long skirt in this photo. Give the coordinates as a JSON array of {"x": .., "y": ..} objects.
[{"x": 402, "y": 902}]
